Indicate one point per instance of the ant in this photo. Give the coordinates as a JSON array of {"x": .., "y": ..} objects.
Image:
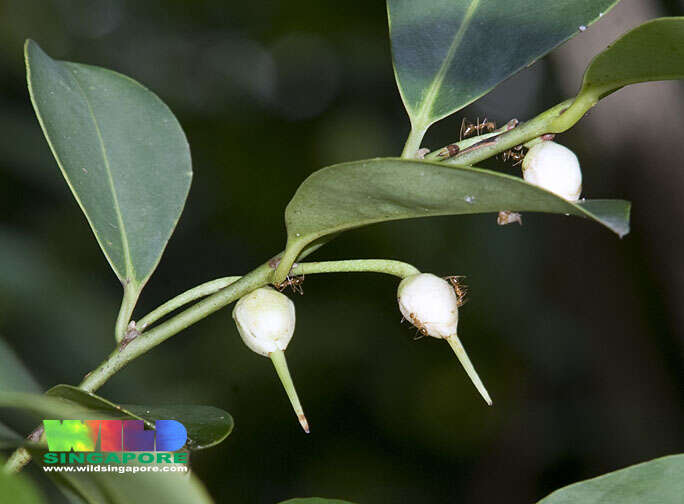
[
  {"x": 459, "y": 287},
  {"x": 468, "y": 129},
  {"x": 293, "y": 282},
  {"x": 418, "y": 325},
  {"x": 517, "y": 154}
]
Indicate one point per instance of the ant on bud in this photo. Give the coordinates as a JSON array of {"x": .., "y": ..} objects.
[{"x": 459, "y": 287}]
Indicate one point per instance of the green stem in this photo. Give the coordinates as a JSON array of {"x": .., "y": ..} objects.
[
  {"x": 130, "y": 298},
  {"x": 413, "y": 142},
  {"x": 388, "y": 266},
  {"x": 232, "y": 290},
  {"x": 150, "y": 339},
  {"x": 187, "y": 297},
  {"x": 443, "y": 153},
  {"x": 557, "y": 119},
  {"x": 293, "y": 251},
  {"x": 524, "y": 132},
  {"x": 257, "y": 278}
]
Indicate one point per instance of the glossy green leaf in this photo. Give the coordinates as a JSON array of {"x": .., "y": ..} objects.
[
  {"x": 351, "y": 195},
  {"x": 18, "y": 488},
  {"x": 314, "y": 500},
  {"x": 650, "y": 52},
  {"x": 448, "y": 53},
  {"x": 207, "y": 426},
  {"x": 13, "y": 374},
  {"x": 660, "y": 481},
  {"x": 122, "y": 152}
]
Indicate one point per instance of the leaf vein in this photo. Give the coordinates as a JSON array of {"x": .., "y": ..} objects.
[
  {"x": 437, "y": 82},
  {"x": 130, "y": 270}
]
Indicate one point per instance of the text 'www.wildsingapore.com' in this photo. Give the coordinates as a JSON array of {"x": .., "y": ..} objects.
[
  {"x": 114, "y": 446},
  {"x": 121, "y": 469}
]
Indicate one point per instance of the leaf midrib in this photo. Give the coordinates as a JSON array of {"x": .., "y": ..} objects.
[
  {"x": 130, "y": 270},
  {"x": 428, "y": 102}
]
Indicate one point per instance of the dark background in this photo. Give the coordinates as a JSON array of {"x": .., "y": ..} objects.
[{"x": 577, "y": 334}]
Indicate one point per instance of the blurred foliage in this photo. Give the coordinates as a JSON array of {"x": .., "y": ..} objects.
[{"x": 574, "y": 332}]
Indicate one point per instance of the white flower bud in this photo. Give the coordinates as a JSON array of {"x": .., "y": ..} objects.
[
  {"x": 431, "y": 304},
  {"x": 265, "y": 319},
  {"x": 555, "y": 168}
]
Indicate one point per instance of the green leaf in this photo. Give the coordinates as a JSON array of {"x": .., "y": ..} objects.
[
  {"x": 13, "y": 374},
  {"x": 448, "y": 53},
  {"x": 18, "y": 489},
  {"x": 659, "y": 481},
  {"x": 314, "y": 500},
  {"x": 351, "y": 195},
  {"x": 652, "y": 51},
  {"x": 207, "y": 426},
  {"x": 122, "y": 152}
]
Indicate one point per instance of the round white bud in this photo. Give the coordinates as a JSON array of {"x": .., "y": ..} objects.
[
  {"x": 430, "y": 304},
  {"x": 555, "y": 168},
  {"x": 265, "y": 319}
]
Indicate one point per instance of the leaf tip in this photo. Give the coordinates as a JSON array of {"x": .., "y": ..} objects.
[{"x": 30, "y": 45}]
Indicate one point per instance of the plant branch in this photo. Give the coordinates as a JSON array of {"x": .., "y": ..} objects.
[
  {"x": 462, "y": 145},
  {"x": 396, "y": 268},
  {"x": 234, "y": 290},
  {"x": 220, "y": 292},
  {"x": 490, "y": 145},
  {"x": 186, "y": 297},
  {"x": 388, "y": 266},
  {"x": 557, "y": 119},
  {"x": 223, "y": 291}
]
